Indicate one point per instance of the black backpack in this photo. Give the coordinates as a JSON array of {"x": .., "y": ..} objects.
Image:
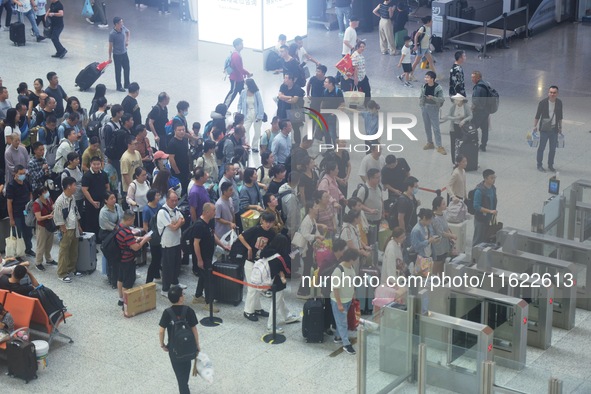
[
  {"x": 53, "y": 305},
  {"x": 365, "y": 189},
  {"x": 110, "y": 247},
  {"x": 153, "y": 226},
  {"x": 493, "y": 99},
  {"x": 421, "y": 36},
  {"x": 219, "y": 150},
  {"x": 94, "y": 126},
  {"x": 181, "y": 341},
  {"x": 470, "y": 201},
  {"x": 187, "y": 239},
  {"x": 280, "y": 203}
]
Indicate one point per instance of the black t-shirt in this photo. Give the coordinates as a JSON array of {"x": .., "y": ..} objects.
[
  {"x": 96, "y": 184},
  {"x": 316, "y": 87},
  {"x": 274, "y": 186},
  {"x": 342, "y": 163},
  {"x": 430, "y": 91},
  {"x": 409, "y": 208},
  {"x": 257, "y": 238},
  {"x": 20, "y": 195},
  {"x": 309, "y": 185},
  {"x": 120, "y": 144},
  {"x": 332, "y": 100},
  {"x": 15, "y": 287},
  {"x": 130, "y": 106},
  {"x": 395, "y": 177},
  {"x": 160, "y": 117},
  {"x": 34, "y": 98},
  {"x": 56, "y": 21},
  {"x": 166, "y": 319},
  {"x": 204, "y": 232},
  {"x": 282, "y": 106},
  {"x": 291, "y": 67},
  {"x": 275, "y": 267},
  {"x": 58, "y": 94},
  {"x": 180, "y": 150}
]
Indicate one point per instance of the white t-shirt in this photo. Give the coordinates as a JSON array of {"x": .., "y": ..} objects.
[
  {"x": 426, "y": 37},
  {"x": 369, "y": 162},
  {"x": 406, "y": 53},
  {"x": 351, "y": 37},
  {"x": 302, "y": 54},
  {"x": 551, "y": 114},
  {"x": 8, "y": 131}
]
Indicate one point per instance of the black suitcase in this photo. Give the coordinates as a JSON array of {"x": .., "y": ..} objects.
[
  {"x": 313, "y": 321},
  {"x": 88, "y": 76},
  {"x": 225, "y": 290},
  {"x": 22, "y": 361},
  {"x": 17, "y": 34},
  {"x": 366, "y": 292},
  {"x": 468, "y": 146}
]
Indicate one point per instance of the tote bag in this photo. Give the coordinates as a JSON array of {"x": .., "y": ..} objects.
[{"x": 15, "y": 245}]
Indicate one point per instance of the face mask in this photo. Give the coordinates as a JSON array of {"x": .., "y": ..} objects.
[
  {"x": 236, "y": 178},
  {"x": 415, "y": 190},
  {"x": 21, "y": 177},
  {"x": 185, "y": 113},
  {"x": 46, "y": 195},
  {"x": 165, "y": 162}
]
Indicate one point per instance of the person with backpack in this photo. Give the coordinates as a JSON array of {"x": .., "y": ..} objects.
[
  {"x": 250, "y": 194},
  {"x": 18, "y": 194},
  {"x": 180, "y": 324},
  {"x": 485, "y": 206},
  {"x": 43, "y": 211},
  {"x": 311, "y": 231},
  {"x": 109, "y": 217},
  {"x": 230, "y": 176},
  {"x": 480, "y": 107},
  {"x": 422, "y": 41},
  {"x": 73, "y": 170},
  {"x": 370, "y": 194},
  {"x": 267, "y": 137},
  {"x": 67, "y": 218},
  {"x": 150, "y": 210},
  {"x": 47, "y": 132},
  {"x": 110, "y": 128},
  {"x": 237, "y": 72},
  {"x": 157, "y": 119}
]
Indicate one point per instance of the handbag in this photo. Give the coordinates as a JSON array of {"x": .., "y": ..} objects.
[
  {"x": 533, "y": 139},
  {"x": 456, "y": 212},
  {"x": 493, "y": 228},
  {"x": 345, "y": 65},
  {"x": 423, "y": 266},
  {"x": 87, "y": 11},
  {"x": 354, "y": 314},
  {"x": 15, "y": 245},
  {"x": 560, "y": 141},
  {"x": 299, "y": 240},
  {"x": 354, "y": 98},
  {"x": 47, "y": 28},
  {"x": 546, "y": 124},
  {"x": 296, "y": 115}
]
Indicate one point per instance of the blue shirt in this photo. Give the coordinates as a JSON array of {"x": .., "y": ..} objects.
[
  {"x": 148, "y": 213},
  {"x": 281, "y": 147},
  {"x": 371, "y": 122},
  {"x": 118, "y": 39}
]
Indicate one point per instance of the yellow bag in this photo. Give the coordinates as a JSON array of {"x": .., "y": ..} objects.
[
  {"x": 425, "y": 65},
  {"x": 250, "y": 219}
]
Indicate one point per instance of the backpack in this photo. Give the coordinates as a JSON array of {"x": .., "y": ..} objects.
[
  {"x": 273, "y": 61},
  {"x": 187, "y": 239},
  {"x": 262, "y": 168},
  {"x": 110, "y": 247},
  {"x": 470, "y": 201},
  {"x": 261, "y": 272},
  {"x": 94, "y": 126},
  {"x": 181, "y": 340},
  {"x": 280, "y": 203},
  {"x": 153, "y": 226},
  {"x": 219, "y": 150},
  {"x": 53, "y": 305},
  {"x": 421, "y": 36},
  {"x": 207, "y": 129},
  {"x": 107, "y": 140},
  {"x": 168, "y": 127},
  {"x": 365, "y": 189},
  {"x": 30, "y": 219},
  {"x": 228, "y": 64},
  {"x": 492, "y": 103}
]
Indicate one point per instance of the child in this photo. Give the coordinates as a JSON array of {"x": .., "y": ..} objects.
[
  {"x": 341, "y": 296},
  {"x": 406, "y": 62}
]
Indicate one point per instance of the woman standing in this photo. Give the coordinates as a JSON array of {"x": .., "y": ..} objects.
[
  {"x": 385, "y": 11},
  {"x": 350, "y": 234},
  {"x": 310, "y": 230},
  {"x": 270, "y": 202},
  {"x": 277, "y": 173},
  {"x": 326, "y": 213},
  {"x": 73, "y": 105},
  {"x": 251, "y": 106},
  {"x": 151, "y": 210},
  {"x": 456, "y": 187},
  {"x": 329, "y": 183},
  {"x": 109, "y": 218},
  {"x": 208, "y": 162},
  {"x": 341, "y": 157},
  {"x": 33, "y": 100},
  {"x": 56, "y": 15},
  {"x": 309, "y": 179},
  {"x": 99, "y": 91},
  {"x": 264, "y": 171},
  {"x": 422, "y": 237},
  {"x": 442, "y": 230},
  {"x": 394, "y": 265},
  {"x": 137, "y": 191},
  {"x": 11, "y": 122},
  {"x": 43, "y": 209},
  {"x": 459, "y": 115},
  {"x": 23, "y": 94},
  {"x": 360, "y": 79}
]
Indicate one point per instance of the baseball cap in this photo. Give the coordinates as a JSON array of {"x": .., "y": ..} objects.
[{"x": 160, "y": 155}]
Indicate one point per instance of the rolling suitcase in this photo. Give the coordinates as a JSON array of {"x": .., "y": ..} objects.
[
  {"x": 88, "y": 76},
  {"x": 22, "y": 361},
  {"x": 227, "y": 291},
  {"x": 86, "y": 253},
  {"x": 17, "y": 34},
  {"x": 313, "y": 321},
  {"x": 468, "y": 146},
  {"x": 366, "y": 292}
]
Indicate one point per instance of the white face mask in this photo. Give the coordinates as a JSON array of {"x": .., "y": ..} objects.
[{"x": 165, "y": 162}]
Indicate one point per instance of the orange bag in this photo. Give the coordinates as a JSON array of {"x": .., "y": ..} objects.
[{"x": 345, "y": 65}]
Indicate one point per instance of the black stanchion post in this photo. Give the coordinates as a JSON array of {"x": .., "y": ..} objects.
[
  {"x": 505, "y": 45},
  {"x": 274, "y": 338},
  {"x": 211, "y": 320}
]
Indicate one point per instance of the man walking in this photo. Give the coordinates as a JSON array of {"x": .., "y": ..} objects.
[
  {"x": 549, "y": 116},
  {"x": 343, "y": 11},
  {"x": 238, "y": 72},
  {"x": 485, "y": 206},
  {"x": 118, "y": 43},
  {"x": 56, "y": 16},
  {"x": 169, "y": 223}
]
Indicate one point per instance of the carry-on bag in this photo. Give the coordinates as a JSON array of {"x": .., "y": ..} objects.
[
  {"x": 313, "y": 321},
  {"x": 86, "y": 253},
  {"x": 225, "y": 290}
]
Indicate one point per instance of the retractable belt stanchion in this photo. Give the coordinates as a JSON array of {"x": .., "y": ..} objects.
[
  {"x": 211, "y": 320},
  {"x": 274, "y": 338}
]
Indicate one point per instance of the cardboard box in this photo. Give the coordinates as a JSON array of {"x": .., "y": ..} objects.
[{"x": 139, "y": 299}]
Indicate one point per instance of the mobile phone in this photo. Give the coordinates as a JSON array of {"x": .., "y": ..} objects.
[{"x": 149, "y": 234}]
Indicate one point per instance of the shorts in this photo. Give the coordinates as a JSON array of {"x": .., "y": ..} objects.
[
  {"x": 423, "y": 52},
  {"x": 407, "y": 67},
  {"x": 127, "y": 274}
]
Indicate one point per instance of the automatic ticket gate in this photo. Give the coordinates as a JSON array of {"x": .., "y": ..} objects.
[
  {"x": 459, "y": 370},
  {"x": 560, "y": 248},
  {"x": 507, "y": 316},
  {"x": 539, "y": 299},
  {"x": 541, "y": 270}
]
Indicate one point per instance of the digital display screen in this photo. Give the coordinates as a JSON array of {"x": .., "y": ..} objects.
[{"x": 553, "y": 186}]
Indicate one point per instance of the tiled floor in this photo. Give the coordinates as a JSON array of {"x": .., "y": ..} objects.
[{"x": 115, "y": 354}]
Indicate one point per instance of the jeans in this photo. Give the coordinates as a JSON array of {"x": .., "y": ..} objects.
[
  {"x": 24, "y": 232},
  {"x": 171, "y": 266},
  {"x": 121, "y": 62},
  {"x": 480, "y": 121},
  {"x": 30, "y": 15},
  {"x": 182, "y": 371},
  {"x": 155, "y": 263},
  {"x": 343, "y": 14},
  {"x": 431, "y": 119},
  {"x": 253, "y": 296},
  {"x": 552, "y": 137},
  {"x": 235, "y": 88},
  {"x": 480, "y": 231},
  {"x": 55, "y": 39},
  {"x": 8, "y": 7},
  {"x": 340, "y": 319}
]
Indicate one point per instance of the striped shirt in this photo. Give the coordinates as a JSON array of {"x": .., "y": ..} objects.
[{"x": 125, "y": 239}]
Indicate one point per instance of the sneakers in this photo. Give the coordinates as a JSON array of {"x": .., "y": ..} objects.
[
  {"x": 541, "y": 169},
  {"x": 292, "y": 319},
  {"x": 408, "y": 84},
  {"x": 328, "y": 331},
  {"x": 400, "y": 78},
  {"x": 78, "y": 274},
  {"x": 66, "y": 279},
  {"x": 255, "y": 150},
  {"x": 40, "y": 38},
  {"x": 337, "y": 339},
  {"x": 30, "y": 253},
  {"x": 89, "y": 21},
  {"x": 105, "y": 26},
  {"x": 303, "y": 295},
  {"x": 441, "y": 150},
  {"x": 40, "y": 267},
  {"x": 349, "y": 349},
  {"x": 278, "y": 330},
  {"x": 483, "y": 148},
  {"x": 385, "y": 53},
  {"x": 164, "y": 293},
  {"x": 52, "y": 262},
  {"x": 182, "y": 286},
  {"x": 120, "y": 303},
  {"x": 166, "y": 12},
  {"x": 6, "y": 28},
  {"x": 198, "y": 300},
  {"x": 215, "y": 308},
  {"x": 63, "y": 54},
  {"x": 261, "y": 313},
  {"x": 251, "y": 316},
  {"x": 429, "y": 145},
  {"x": 267, "y": 293},
  {"x": 120, "y": 90}
]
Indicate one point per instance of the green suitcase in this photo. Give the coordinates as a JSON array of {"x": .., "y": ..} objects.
[{"x": 399, "y": 38}]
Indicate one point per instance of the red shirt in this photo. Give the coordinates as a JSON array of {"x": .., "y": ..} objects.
[
  {"x": 238, "y": 71},
  {"x": 44, "y": 209},
  {"x": 125, "y": 239}
]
